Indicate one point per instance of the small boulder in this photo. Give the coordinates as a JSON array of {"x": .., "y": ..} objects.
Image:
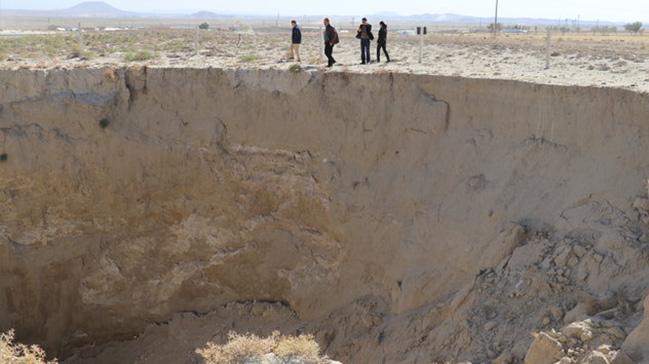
[
  {"x": 581, "y": 311},
  {"x": 544, "y": 350},
  {"x": 636, "y": 346},
  {"x": 596, "y": 357},
  {"x": 579, "y": 330},
  {"x": 490, "y": 326},
  {"x": 507, "y": 241},
  {"x": 504, "y": 358},
  {"x": 622, "y": 358}
]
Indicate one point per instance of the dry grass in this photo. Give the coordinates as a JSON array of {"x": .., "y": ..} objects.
[
  {"x": 238, "y": 349},
  {"x": 13, "y": 353},
  {"x": 235, "y": 48},
  {"x": 295, "y": 68},
  {"x": 138, "y": 56},
  {"x": 242, "y": 349},
  {"x": 245, "y": 47},
  {"x": 249, "y": 58},
  {"x": 300, "y": 347}
]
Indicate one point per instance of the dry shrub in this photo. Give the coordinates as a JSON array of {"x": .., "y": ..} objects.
[
  {"x": 242, "y": 349},
  {"x": 238, "y": 349},
  {"x": 110, "y": 74},
  {"x": 13, "y": 353},
  {"x": 301, "y": 347},
  {"x": 139, "y": 56}
]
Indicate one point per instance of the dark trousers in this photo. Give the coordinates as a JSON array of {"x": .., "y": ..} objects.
[
  {"x": 329, "y": 50},
  {"x": 365, "y": 51},
  {"x": 380, "y": 46}
]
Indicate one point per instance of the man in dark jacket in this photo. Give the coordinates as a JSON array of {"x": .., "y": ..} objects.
[
  {"x": 330, "y": 40},
  {"x": 382, "y": 42},
  {"x": 296, "y": 40},
  {"x": 364, "y": 33}
]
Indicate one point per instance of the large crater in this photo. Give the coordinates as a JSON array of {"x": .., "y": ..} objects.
[{"x": 369, "y": 206}]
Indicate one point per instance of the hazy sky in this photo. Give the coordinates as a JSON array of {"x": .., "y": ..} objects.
[{"x": 555, "y": 9}]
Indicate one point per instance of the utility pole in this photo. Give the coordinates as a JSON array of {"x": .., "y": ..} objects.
[
  {"x": 496, "y": 20},
  {"x": 579, "y": 23}
]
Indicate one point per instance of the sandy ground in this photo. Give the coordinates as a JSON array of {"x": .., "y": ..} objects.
[{"x": 575, "y": 59}]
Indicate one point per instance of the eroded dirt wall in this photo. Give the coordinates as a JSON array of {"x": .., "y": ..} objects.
[{"x": 129, "y": 195}]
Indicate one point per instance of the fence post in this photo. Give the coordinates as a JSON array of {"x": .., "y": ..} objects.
[
  {"x": 81, "y": 42},
  {"x": 547, "y": 50},
  {"x": 196, "y": 39}
]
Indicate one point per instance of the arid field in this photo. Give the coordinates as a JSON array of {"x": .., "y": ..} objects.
[{"x": 587, "y": 59}]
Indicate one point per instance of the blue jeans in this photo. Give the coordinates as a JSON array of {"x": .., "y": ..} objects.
[{"x": 365, "y": 50}]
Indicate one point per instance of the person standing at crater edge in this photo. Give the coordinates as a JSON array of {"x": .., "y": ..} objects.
[
  {"x": 382, "y": 42},
  {"x": 296, "y": 40},
  {"x": 364, "y": 33},
  {"x": 330, "y": 40}
]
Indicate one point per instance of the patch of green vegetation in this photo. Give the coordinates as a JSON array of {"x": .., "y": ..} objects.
[
  {"x": 633, "y": 27},
  {"x": 103, "y": 123},
  {"x": 248, "y": 58},
  {"x": 295, "y": 68},
  {"x": 139, "y": 56}
]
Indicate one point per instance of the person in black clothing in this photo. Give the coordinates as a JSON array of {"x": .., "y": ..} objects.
[
  {"x": 330, "y": 40},
  {"x": 364, "y": 33},
  {"x": 382, "y": 42},
  {"x": 296, "y": 40}
]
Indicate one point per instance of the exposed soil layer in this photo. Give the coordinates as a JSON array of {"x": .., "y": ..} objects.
[{"x": 400, "y": 218}]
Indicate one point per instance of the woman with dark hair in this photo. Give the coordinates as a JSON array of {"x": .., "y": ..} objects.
[{"x": 382, "y": 42}]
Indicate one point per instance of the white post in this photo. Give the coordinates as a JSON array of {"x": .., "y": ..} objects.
[
  {"x": 547, "y": 50},
  {"x": 196, "y": 40},
  {"x": 81, "y": 44},
  {"x": 421, "y": 45},
  {"x": 496, "y": 20}
]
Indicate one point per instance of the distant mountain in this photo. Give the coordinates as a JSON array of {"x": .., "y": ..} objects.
[
  {"x": 100, "y": 9},
  {"x": 208, "y": 15},
  {"x": 95, "y": 9},
  {"x": 90, "y": 9}
]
